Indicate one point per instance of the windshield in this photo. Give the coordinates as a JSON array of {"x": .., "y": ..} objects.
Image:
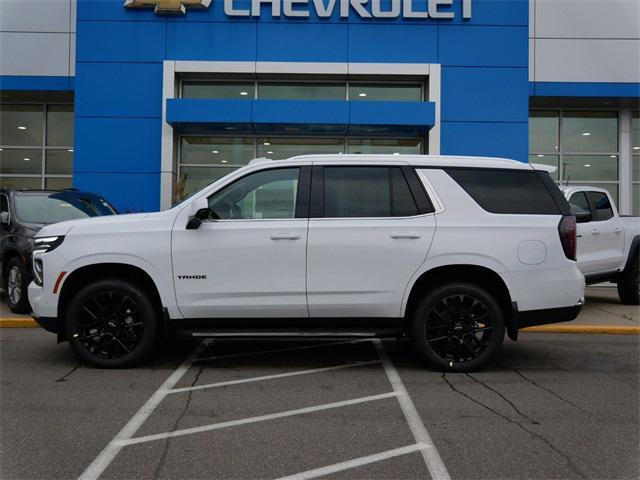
[{"x": 59, "y": 207}]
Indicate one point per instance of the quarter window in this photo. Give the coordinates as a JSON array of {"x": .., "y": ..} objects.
[
  {"x": 351, "y": 192},
  {"x": 268, "y": 194},
  {"x": 601, "y": 206}
]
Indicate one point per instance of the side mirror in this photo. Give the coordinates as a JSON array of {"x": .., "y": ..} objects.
[
  {"x": 4, "y": 218},
  {"x": 202, "y": 214},
  {"x": 583, "y": 217}
]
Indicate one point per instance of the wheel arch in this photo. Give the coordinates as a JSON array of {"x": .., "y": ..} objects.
[
  {"x": 634, "y": 251},
  {"x": 479, "y": 275}
]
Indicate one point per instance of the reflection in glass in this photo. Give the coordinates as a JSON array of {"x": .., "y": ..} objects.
[
  {"x": 385, "y": 92},
  {"x": 60, "y": 125},
  {"x": 302, "y": 91},
  {"x": 589, "y": 132},
  {"x": 216, "y": 151},
  {"x": 21, "y": 125},
  {"x": 590, "y": 167},
  {"x": 221, "y": 90},
  {"x": 545, "y": 159},
  {"x": 193, "y": 179},
  {"x": 543, "y": 132},
  {"x": 20, "y": 161},
  {"x": 281, "y": 148},
  {"x": 59, "y": 162},
  {"x": 385, "y": 146}
]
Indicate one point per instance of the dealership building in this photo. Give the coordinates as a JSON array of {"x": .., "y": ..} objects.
[{"x": 146, "y": 101}]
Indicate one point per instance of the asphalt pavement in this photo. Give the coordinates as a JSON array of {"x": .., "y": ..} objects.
[{"x": 549, "y": 406}]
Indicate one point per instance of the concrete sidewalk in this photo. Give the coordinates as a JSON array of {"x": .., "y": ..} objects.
[{"x": 603, "y": 313}]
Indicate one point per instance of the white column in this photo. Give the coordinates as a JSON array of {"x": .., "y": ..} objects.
[
  {"x": 167, "y": 163},
  {"x": 434, "y": 96},
  {"x": 625, "y": 173}
]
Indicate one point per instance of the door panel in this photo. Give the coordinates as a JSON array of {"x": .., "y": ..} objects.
[
  {"x": 606, "y": 233},
  {"x": 587, "y": 252}
]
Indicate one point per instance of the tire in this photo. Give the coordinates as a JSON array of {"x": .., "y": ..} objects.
[
  {"x": 629, "y": 283},
  {"x": 16, "y": 282},
  {"x": 111, "y": 324},
  {"x": 458, "y": 327}
]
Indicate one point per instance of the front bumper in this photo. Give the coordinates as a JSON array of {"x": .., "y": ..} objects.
[
  {"x": 532, "y": 318},
  {"x": 50, "y": 324}
]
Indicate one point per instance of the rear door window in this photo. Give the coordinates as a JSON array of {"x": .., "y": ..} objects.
[
  {"x": 601, "y": 206},
  {"x": 511, "y": 191}
]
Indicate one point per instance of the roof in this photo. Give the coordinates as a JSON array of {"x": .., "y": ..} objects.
[{"x": 421, "y": 160}]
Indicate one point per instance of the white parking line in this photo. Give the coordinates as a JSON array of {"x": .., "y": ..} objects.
[
  {"x": 107, "y": 455},
  {"x": 271, "y": 377},
  {"x": 259, "y": 418},
  {"x": 356, "y": 462},
  {"x": 431, "y": 456}
]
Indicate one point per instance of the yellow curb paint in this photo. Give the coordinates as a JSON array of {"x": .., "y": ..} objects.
[
  {"x": 17, "y": 322},
  {"x": 605, "y": 329}
]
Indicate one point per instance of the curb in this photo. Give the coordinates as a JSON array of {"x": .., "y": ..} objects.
[
  {"x": 602, "y": 329},
  {"x": 17, "y": 322}
]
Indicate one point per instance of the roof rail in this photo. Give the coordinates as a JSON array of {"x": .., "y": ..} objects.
[{"x": 259, "y": 160}]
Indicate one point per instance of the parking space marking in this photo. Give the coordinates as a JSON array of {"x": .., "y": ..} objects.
[
  {"x": 107, "y": 455},
  {"x": 274, "y": 376},
  {"x": 430, "y": 455},
  {"x": 356, "y": 462},
  {"x": 256, "y": 419}
]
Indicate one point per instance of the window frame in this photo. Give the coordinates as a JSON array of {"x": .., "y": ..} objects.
[
  {"x": 419, "y": 194},
  {"x": 594, "y": 209},
  {"x": 301, "y": 202}
]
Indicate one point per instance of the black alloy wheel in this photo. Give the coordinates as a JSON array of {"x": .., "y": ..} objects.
[
  {"x": 111, "y": 323},
  {"x": 458, "y": 327},
  {"x": 16, "y": 283}
]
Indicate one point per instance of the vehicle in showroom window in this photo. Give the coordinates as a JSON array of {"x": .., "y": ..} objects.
[
  {"x": 608, "y": 243},
  {"x": 444, "y": 250},
  {"x": 22, "y": 214}
]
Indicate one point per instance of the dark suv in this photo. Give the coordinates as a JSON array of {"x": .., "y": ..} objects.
[{"x": 22, "y": 214}]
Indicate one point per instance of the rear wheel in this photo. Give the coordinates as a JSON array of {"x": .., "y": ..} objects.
[
  {"x": 629, "y": 283},
  {"x": 111, "y": 324},
  {"x": 16, "y": 283},
  {"x": 458, "y": 327}
]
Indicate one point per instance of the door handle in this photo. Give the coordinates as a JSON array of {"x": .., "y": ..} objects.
[
  {"x": 412, "y": 236},
  {"x": 617, "y": 230},
  {"x": 595, "y": 231},
  {"x": 285, "y": 236}
]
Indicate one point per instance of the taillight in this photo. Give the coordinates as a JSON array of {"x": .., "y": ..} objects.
[{"x": 567, "y": 231}]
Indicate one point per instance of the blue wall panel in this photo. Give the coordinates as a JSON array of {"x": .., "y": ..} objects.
[
  {"x": 485, "y": 94},
  {"x": 117, "y": 145},
  {"x": 507, "y": 140},
  {"x": 211, "y": 41},
  {"x": 128, "y": 192},
  {"x": 299, "y": 42},
  {"x": 121, "y": 41},
  {"x": 119, "y": 89},
  {"x": 17, "y": 82},
  {"x": 103, "y": 10},
  {"x": 393, "y": 43},
  {"x": 464, "y": 45}
]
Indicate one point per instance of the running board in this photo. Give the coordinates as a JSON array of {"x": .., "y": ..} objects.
[{"x": 297, "y": 334}]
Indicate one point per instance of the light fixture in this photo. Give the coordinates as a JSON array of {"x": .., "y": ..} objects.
[
  {"x": 70, "y": 150},
  {"x": 223, "y": 161},
  {"x": 267, "y": 143},
  {"x": 244, "y": 93},
  {"x": 613, "y": 156},
  {"x": 215, "y": 151},
  {"x": 396, "y": 153},
  {"x": 27, "y": 159},
  {"x": 269, "y": 152},
  {"x": 586, "y": 134},
  {"x": 636, "y": 148},
  {"x": 362, "y": 94},
  {"x": 229, "y": 128},
  {"x": 21, "y": 127},
  {"x": 540, "y": 155},
  {"x": 587, "y": 165}
]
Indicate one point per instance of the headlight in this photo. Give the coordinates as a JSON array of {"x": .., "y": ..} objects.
[{"x": 46, "y": 244}]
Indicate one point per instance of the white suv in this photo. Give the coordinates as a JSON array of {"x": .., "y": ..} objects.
[{"x": 451, "y": 251}]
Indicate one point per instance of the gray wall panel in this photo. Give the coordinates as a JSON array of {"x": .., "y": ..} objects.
[
  {"x": 45, "y": 54},
  {"x": 35, "y": 15}
]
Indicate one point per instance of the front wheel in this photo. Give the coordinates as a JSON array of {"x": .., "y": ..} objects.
[
  {"x": 629, "y": 283},
  {"x": 111, "y": 324},
  {"x": 458, "y": 327}
]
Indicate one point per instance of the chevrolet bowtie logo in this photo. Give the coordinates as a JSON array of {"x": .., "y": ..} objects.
[{"x": 168, "y": 7}]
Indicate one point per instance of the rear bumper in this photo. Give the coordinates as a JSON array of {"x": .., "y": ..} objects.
[{"x": 532, "y": 318}]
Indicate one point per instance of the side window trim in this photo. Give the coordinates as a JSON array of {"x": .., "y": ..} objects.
[
  {"x": 420, "y": 195},
  {"x": 303, "y": 197}
]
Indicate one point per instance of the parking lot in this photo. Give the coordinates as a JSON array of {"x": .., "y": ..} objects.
[{"x": 550, "y": 406}]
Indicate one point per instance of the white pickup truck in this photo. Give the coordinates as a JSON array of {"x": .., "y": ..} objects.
[{"x": 608, "y": 244}]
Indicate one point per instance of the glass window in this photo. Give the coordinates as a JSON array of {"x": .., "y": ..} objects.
[
  {"x": 45, "y": 209},
  {"x": 21, "y": 125},
  {"x": 60, "y": 125},
  {"x": 267, "y": 194},
  {"x": 402, "y": 201},
  {"x": 302, "y": 91},
  {"x": 579, "y": 204},
  {"x": 601, "y": 205},
  {"x": 589, "y": 132},
  {"x": 612, "y": 188},
  {"x": 221, "y": 90},
  {"x": 357, "y": 192},
  {"x": 543, "y": 132},
  {"x": 59, "y": 162},
  {"x": 280, "y": 148},
  {"x": 4, "y": 203},
  {"x": 18, "y": 183},
  {"x": 385, "y": 92},
  {"x": 216, "y": 151},
  {"x": 384, "y": 146},
  {"x": 545, "y": 159},
  {"x": 194, "y": 179},
  {"x": 508, "y": 191},
  {"x": 17, "y": 161},
  {"x": 590, "y": 167},
  {"x": 58, "y": 183}
]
